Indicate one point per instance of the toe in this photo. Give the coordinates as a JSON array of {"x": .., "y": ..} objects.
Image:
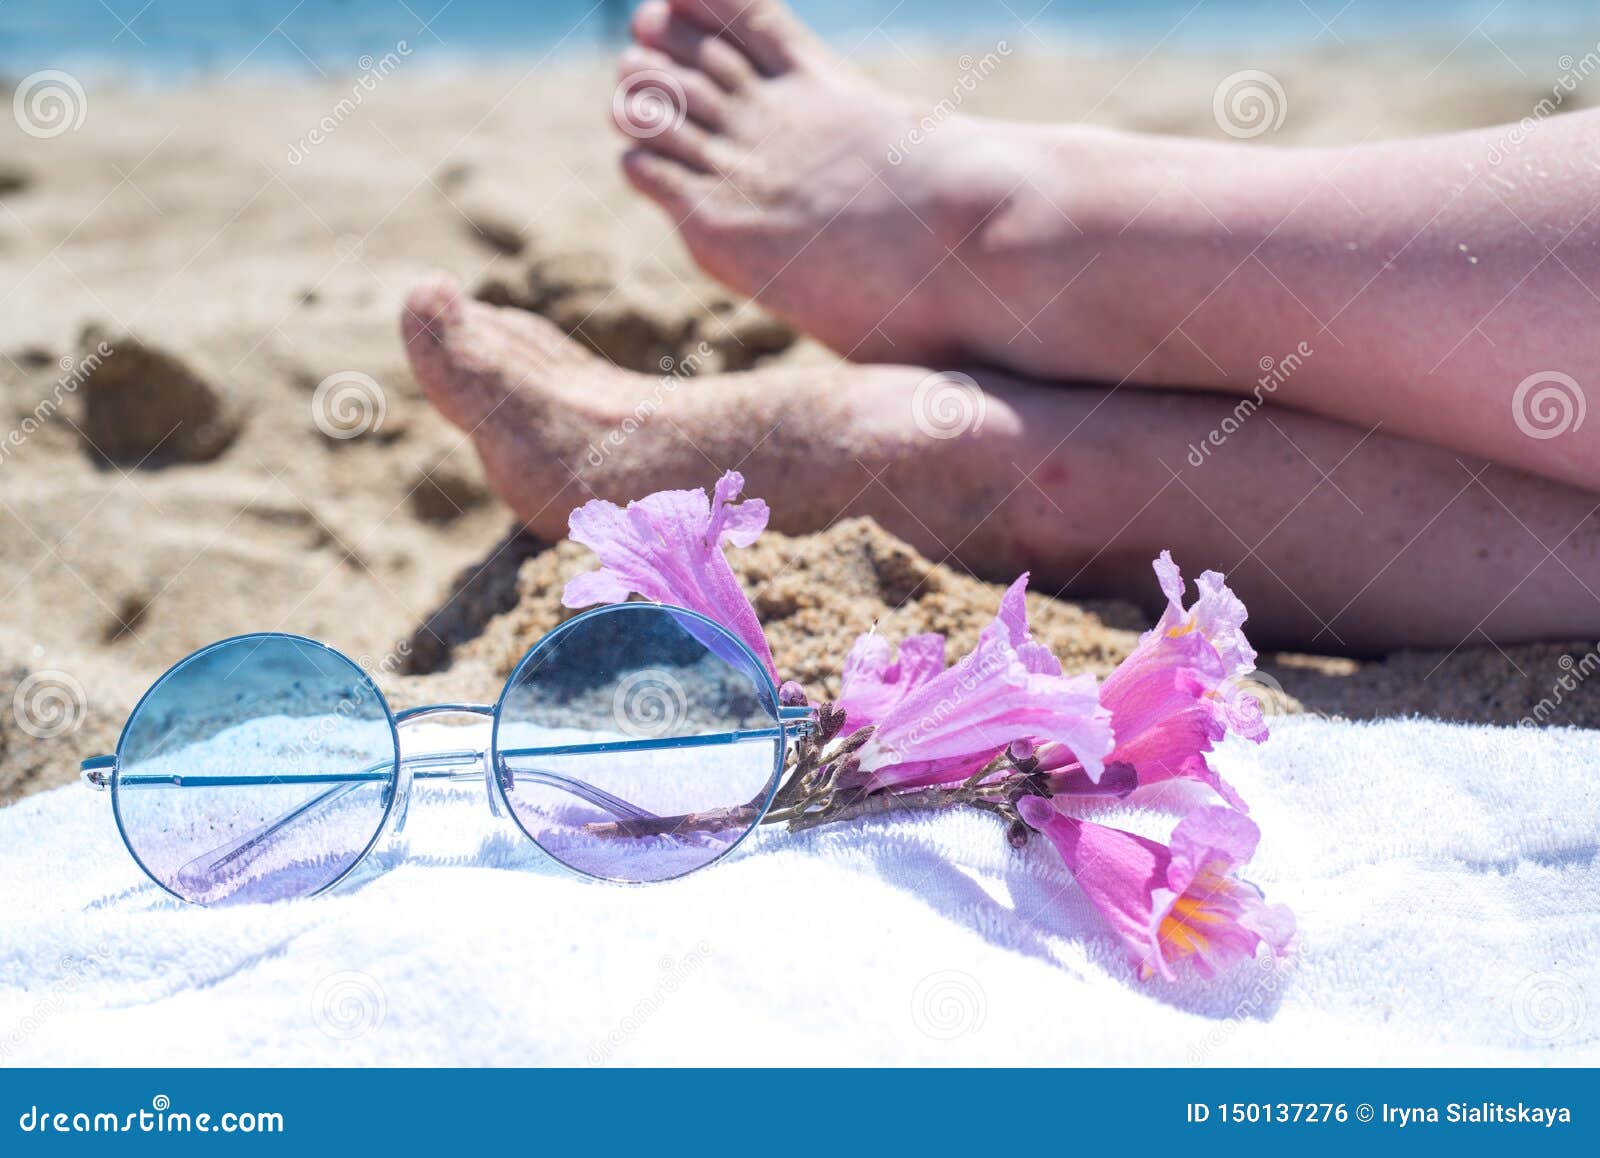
[
  {"x": 431, "y": 323},
  {"x": 767, "y": 31},
  {"x": 652, "y": 83},
  {"x": 672, "y": 136},
  {"x": 656, "y": 25},
  {"x": 432, "y": 309},
  {"x": 668, "y": 182}
]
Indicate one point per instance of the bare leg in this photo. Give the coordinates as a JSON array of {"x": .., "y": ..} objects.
[
  {"x": 1339, "y": 539},
  {"x": 1412, "y": 285}
]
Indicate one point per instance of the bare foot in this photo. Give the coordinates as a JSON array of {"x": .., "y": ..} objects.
[
  {"x": 1337, "y": 538},
  {"x": 797, "y": 182},
  {"x": 556, "y": 425}
]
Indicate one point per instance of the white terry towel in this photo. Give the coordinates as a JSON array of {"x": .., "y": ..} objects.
[{"x": 1445, "y": 879}]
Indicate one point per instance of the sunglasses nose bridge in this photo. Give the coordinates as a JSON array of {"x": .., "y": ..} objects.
[
  {"x": 411, "y": 715},
  {"x": 407, "y": 764}
]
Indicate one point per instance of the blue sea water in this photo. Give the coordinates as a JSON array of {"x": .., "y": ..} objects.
[{"x": 183, "y": 37}]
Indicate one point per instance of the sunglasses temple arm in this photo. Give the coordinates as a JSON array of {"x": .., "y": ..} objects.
[
  {"x": 631, "y": 819},
  {"x": 465, "y": 763},
  {"x": 203, "y": 868}
]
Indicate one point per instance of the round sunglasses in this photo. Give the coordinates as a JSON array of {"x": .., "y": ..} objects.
[{"x": 636, "y": 742}]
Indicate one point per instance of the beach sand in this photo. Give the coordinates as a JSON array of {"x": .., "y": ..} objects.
[{"x": 183, "y": 271}]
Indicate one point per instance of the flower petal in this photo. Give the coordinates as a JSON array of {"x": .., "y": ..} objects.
[
  {"x": 871, "y": 684},
  {"x": 667, "y": 547},
  {"x": 1008, "y": 688},
  {"x": 977, "y": 707},
  {"x": 1119, "y": 872},
  {"x": 1170, "y": 905},
  {"x": 1184, "y": 688},
  {"x": 739, "y": 525}
]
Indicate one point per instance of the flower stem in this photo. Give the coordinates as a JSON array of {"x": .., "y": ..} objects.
[{"x": 912, "y": 800}]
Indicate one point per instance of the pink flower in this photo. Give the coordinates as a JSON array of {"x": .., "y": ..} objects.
[
  {"x": 1182, "y": 689},
  {"x": 667, "y": 547},
  {"x": 871, "y": 685},
  {"x": 951, "y": 724},
  {"x": 1171, "y": 904}
]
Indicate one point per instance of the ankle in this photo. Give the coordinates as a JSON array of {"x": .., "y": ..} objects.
[{"x": 1045, "y": 250}]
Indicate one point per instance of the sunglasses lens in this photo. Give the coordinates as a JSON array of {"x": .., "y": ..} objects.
[
  {"x": 258, "y": 769},
  {"x": 638, "y": 743}
]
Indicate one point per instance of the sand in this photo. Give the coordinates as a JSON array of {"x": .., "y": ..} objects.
[{"x": 191, "y": 284}]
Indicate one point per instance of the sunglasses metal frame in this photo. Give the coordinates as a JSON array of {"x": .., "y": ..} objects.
[{"x": 103, "y": 773}]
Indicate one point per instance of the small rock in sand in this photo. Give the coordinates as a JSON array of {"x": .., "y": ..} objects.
[
  {"x": 143, "y": 406},
  {"x": 495, "y": 215},
  {"x": 444, "y": 493}
]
